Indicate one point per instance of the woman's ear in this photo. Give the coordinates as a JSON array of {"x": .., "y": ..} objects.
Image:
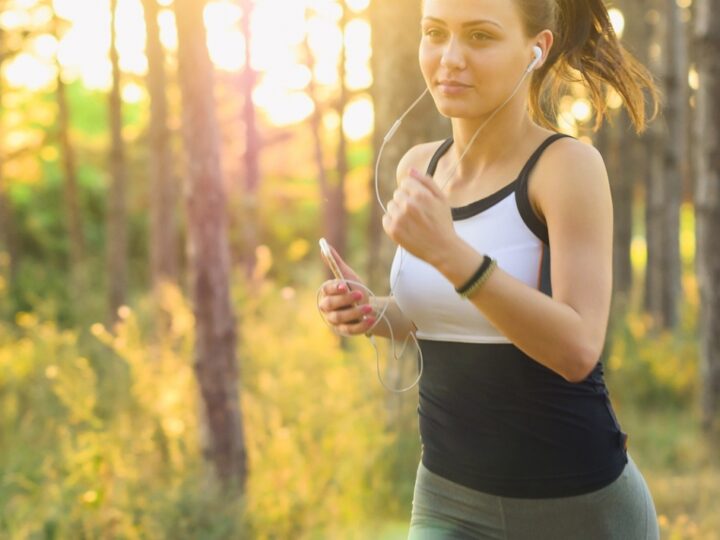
[{"x": 544, "y": 40}]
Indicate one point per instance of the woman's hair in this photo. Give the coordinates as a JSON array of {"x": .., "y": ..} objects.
[{"x": 587, "y": 50}]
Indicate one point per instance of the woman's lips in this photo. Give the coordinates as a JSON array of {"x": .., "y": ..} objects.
[{"x": 452, "y": 88}]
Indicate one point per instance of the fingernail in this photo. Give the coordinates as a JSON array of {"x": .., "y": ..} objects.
[
  {"x": 342, "y": 287},
  {"x": 414, "y": 171},
  {"x": 357, "y": 295},
  {"x": 370, "y": 320},
  {"x": 366, "y": 309}
]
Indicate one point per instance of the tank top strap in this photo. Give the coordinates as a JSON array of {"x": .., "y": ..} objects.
[
  {"x": 530, "y": 164},
  {"x": 432, "y": 167},
  {"x": 531, "y": 219},
  {"x": 527, "y": 169}
]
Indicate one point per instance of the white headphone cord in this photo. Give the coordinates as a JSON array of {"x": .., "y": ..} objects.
[{"x": 381, "y": 316}]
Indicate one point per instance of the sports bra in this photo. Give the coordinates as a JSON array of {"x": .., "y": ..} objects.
[{"x": 502, "y": 225}]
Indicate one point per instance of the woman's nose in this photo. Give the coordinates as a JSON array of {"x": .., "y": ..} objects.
[{"x": 452, "y": 57}]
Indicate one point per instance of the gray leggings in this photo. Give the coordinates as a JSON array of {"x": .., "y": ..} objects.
[{"x": 445, "y": 510}]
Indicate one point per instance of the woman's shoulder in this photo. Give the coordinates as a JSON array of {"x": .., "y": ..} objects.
[
  {"x": 418, "y": 156},
  {"x": 568, "y": 165},
  {"x": 564, "y": 151}
]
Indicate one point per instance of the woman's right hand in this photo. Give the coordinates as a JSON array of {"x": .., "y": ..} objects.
[{"x": 347, "y": 310}]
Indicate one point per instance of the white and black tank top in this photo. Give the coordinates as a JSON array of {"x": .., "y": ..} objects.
[
  {"x": 492, "y": 418},
  {"x": 502, "y": 225}
]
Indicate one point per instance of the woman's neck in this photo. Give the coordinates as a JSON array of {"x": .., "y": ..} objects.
[{"x": 503, "y": 134}]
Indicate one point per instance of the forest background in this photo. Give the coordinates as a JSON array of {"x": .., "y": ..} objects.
[{"x": 166, "y": 168}]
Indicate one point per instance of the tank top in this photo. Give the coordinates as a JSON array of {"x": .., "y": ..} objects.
[{"x": 490, "y": 417}]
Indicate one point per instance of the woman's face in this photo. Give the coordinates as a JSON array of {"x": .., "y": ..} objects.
[{"x": 479, "y": 44}]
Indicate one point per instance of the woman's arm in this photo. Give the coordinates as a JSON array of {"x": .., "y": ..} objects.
[{"x": 565, "y": 332}]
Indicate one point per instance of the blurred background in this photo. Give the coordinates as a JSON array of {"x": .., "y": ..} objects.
[{"x": 166, "y": 168}]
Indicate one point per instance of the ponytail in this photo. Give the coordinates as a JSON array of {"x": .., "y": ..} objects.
[{"x": 587, "y": 50}]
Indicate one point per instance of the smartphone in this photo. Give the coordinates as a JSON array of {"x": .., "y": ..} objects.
[{"x": 327, "y": 254}]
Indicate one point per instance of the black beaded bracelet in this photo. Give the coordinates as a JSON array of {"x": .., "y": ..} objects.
[{"x": 487, "y": 261}]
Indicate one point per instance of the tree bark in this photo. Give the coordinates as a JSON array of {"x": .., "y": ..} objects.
[
  {"x": 610, "y": 140},
  {"x": 215, "y": 342},
  {"x": 707, "y": 204},
  {"x": 164, "y": 234},
  {"x": 73, "y": 213},
  {"x": 336, "y": 217},
  {"x": 664, "y": 187},
  {"x": 73, "y": 216},
  {"x": 675, "y": 160},
  {"x": 117, "y": 207},
  {"x": 253, "y": 147}
]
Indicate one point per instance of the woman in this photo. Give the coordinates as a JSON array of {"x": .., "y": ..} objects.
[{"x": 518, "y": 434}]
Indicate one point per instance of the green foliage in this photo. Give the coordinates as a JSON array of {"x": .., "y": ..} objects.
[
  {"x": 316, "y": 436},
  {"x": 100, "y": 434},
  {"x": 656, "y": 367},
  {"x": 127, "y": 469}
]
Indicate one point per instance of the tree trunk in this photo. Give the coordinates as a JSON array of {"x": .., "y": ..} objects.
[
  {"x": 676, "y": 112},
  {"x": 610, "y": 141},
  {"x": 116, "y": 241},
  {"x": 316, "y": 130},
  {"x": 397, "y": 84},
  {"x": 664, "y": 187},
  {"x": 252, "y": 148},
  {"x": 73, "y": 216},
  {"x": 73, "y": 213},
  {"x": 707, "y": 204},
  {"x": 164, "y": 235},
  {"x": 215, "y": 342},
  {"x": 336, "y": 218}
]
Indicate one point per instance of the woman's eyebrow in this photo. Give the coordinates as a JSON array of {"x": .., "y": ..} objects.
[{"x": 469, "y": 23}]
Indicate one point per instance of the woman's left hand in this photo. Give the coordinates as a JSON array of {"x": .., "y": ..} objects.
[{"x": 419, "y": 218}]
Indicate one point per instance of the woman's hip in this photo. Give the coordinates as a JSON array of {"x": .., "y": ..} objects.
[{"x": 446, "y": 510}]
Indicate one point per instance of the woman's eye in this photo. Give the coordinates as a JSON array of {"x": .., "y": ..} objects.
[
  {"x": 433, "y": 33},
  {"x": 479, "y": 36}
]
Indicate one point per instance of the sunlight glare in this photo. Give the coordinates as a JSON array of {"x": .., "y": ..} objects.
[
  {"x": 273, "y": 37},
  {"x": 131, "y": 36},
  {"x": 25, "y": 4},
  {"x": 582, "y": 110},
  {"x": 75, "y": 11},
  {"x": 133, "y": 93},
  {"x": 693, "y": 78},
  {"x": 291, "y": 76},
  {"x": 325, "y": 38},
  {"x": 357, "y": 39},
  {"x": 226, "y": 43},
  {"x": 292, "y": 108},
  {"x": 358, "y": 5},
  {"x": 45, "y": 47},
  {"x": 97, "y": 75},
  {"x": 25, "y": 70},
  {"x": 168, "y": 30},
  {"x": 326, "y": 73},
  {"x": 566, "y": 124},
  {"x": 614, "y": 100},
  {"x": 12, "y": 19},
  {"x": 618, "y": 21},
  {"x": 358, "y": 75},
  {"x": 41, "y": 16},
  {"x": 358, "y": 119}
]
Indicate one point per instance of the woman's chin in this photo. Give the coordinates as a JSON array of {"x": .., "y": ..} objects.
[{"x": 455, "y": 111}]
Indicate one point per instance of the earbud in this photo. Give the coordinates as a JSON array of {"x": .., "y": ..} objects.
[{"x": 538, "y": 52}]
